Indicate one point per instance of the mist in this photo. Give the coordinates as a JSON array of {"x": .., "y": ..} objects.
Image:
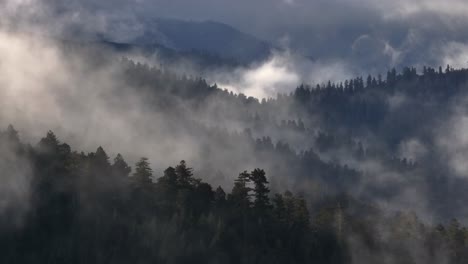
[
  {"x": 301, "y": 114},
  {"x": 282, "y": 71},
  {"x": 397, "y": 33}
]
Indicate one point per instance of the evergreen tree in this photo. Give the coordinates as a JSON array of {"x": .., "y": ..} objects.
[
  {"x": 240, "y": 192},
  {"x": 279, "y": 208},
  {"x": 220, "y": 196},
  {"x": 169, "y": 178},
  {"x": 100, "y": 158},
  {"x": 301, "y": 213},
  {"x": 120, "y": 168},
  {"x": 185, "y": 175},
  {"x": 49, "y": 144},
  {"x": 261, "y": 191},
  {"x": 143, "y": 173}
]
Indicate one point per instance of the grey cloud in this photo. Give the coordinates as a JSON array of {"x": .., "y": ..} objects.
[
  {"x": 397, "y": 33},
  {"x": 282, "y": 72}
]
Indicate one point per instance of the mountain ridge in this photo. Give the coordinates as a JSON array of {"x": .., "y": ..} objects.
[{"x": 207, "y": 36}]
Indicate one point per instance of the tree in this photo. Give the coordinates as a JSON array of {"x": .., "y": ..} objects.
[
  {"x": 169, "y": 178},
  {"x": 101, "y": 157},
  {"x": 301, "y": 213},
  {"x": 240, "y": 192},
  {"x": 167, "y": 189},
  {"x": 202, "y": 198},
  {"x": 185, "y": 175},
  {"x": 279, "y": 208},
  {"x": 11, "y": 139},
  {"x": 261, "y": 191},
  {"x": 220, "y": 196},
  {"x": 143, "y": 173},
  {"x": 120, "y": 168},
  {"x": 99, "y": 163},
  {"x": 369, "y": 81},
  {"x": 49, "y": 144}
]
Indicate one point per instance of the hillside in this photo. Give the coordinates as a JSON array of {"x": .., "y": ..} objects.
[
  {"x": 327, "y": 174},
  {"x": 207, "y": 37}
]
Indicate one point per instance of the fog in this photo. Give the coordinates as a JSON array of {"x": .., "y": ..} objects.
[
  {"x": 86, "y": 105},
  {"x": 82, "y": 94},
  {"x": 396, "y": 33},
  {"x": 282, "y": 71}
]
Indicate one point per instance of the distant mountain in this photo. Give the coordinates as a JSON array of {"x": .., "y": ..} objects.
[
  {"x": 191, "y": 63},
  {"x": 190, "y": 36}
]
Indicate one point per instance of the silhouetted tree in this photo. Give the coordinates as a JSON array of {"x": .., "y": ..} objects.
[{"x": 261, "y": 191}]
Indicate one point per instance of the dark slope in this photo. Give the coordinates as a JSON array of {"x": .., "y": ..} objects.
[{"x": 206, "y": 37}]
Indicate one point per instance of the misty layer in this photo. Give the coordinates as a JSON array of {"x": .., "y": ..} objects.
[
  {"x": 376, "y": 162},
  {"x": 367, "y": 137},
  {"x": 371, "y": 36}
]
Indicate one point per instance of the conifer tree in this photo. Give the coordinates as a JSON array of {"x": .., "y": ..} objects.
[
  {"x": 220, "y": 196},
  {"x": 261, "y": 191},
  {"x": 240, "y": 192},
  {"x": 120, "y": 168},
  {"x": 143, "y": 173},
  {"x": 184, "y": 175}
]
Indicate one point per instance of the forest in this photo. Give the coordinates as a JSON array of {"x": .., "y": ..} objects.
[
  {"x": 233, "y": 132},
  {"x": 372, "y": 139},
  {"x": 368, "y": 170},
  {"x": 87, "y": 208}
]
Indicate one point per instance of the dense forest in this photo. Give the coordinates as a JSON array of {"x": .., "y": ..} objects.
[
  {"x": 374, "y": 139},
  {"x": 364, "y": 171},
  {"x": 237, "y": 132},
  {"x": 84, "y": 208}
]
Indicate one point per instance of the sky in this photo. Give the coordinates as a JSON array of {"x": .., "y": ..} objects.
[
  {"x": 344, "y": 38},
  {"x": 389, "y": 33}
]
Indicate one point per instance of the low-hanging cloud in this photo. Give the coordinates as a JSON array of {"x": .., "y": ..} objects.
[
  {"x": 399, "y": 33},
  {"x": 280, "y": 74},
  {"x": 372, "y": 36}
]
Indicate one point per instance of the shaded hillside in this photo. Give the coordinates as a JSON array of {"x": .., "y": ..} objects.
[
  {"x": 395, "y": 141},
  {"x": 205, "y": 37},
  {"x": 378, "y": 139},
  {"x": 83, "y": 208}
]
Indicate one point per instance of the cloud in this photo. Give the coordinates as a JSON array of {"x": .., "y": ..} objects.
[
  {"x": 452, "y": 141},
  {"x": 412, "y": 149},
  {"x": 85, "y": 98},
  {"x": 373, "y": 36},
  {"x": 289, "y": 2},
  {"x": 282, "y": 73},
  {"x": 455, "y": 54},
  {"x": 401, "y": 9},
  {"x": 266, "y": 80},
  {"x": 15, "y": 188}
]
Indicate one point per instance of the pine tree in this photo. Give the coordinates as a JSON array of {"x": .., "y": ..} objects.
[
  {"x": 220, "y": 196},
  {"x": 143, "y": 172},
  {"x": 49, "y": 144},
  {"x": 279, "y": 207},
  {"x": 240, "y": 192},
  {"x": 301, "y": 213},
  {"x": 100, "y": 162},
  {"x": 261, "y": 191},
  {"x": 169, "y": 178},
  {"x": 101, "y": 156},
  {"x": 185, "y": 175},
  {"x": 120, "y": 168}
]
